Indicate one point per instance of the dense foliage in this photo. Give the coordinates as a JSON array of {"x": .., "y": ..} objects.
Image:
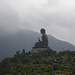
[{"x": 47, "y": 62}]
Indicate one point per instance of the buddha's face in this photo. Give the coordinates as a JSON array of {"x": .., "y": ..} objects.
[{"x": 42, "y": 31}]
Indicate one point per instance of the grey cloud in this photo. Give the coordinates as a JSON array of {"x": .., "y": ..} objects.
[
  {"x": 57, "y": 16},
  {"x": 9, "y": 20}
]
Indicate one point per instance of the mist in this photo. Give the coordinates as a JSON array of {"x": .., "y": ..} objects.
[{"x": 56, "y": 16}]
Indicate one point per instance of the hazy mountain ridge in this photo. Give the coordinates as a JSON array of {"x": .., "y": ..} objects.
[
  {"x": 25, "y": 39},
  {"x": 59, "y": 45}
]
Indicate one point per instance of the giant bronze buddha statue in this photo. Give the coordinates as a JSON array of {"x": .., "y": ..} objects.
[{"x": 44, "y": 42}]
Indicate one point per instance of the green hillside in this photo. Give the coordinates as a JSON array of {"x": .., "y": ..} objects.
[{"x": 44, "y": 63}]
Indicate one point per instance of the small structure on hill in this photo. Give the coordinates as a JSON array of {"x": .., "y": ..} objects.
[{"x": 41, "y": 44}]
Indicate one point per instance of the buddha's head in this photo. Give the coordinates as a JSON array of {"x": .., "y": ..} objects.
[{"x": 42, "y": 31}]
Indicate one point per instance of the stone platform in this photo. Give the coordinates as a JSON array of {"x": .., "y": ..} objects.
[{"x": 37, "y": 50}]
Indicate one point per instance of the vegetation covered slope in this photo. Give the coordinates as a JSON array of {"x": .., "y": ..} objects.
[{"x": 44, "y": 63}]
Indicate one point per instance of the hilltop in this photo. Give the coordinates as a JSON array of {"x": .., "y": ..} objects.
[
  {"x": 47, "y": 62},
  {"x": 25, "y": 39}
]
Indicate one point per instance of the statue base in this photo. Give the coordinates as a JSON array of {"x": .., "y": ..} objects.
[{"x": 37, "y": 50}]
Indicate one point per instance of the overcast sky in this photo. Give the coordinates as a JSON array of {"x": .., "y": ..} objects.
[{"x": 56, "y": 16}]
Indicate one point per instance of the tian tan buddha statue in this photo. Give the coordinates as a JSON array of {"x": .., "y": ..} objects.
[{"x": 44, "y": 42}]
